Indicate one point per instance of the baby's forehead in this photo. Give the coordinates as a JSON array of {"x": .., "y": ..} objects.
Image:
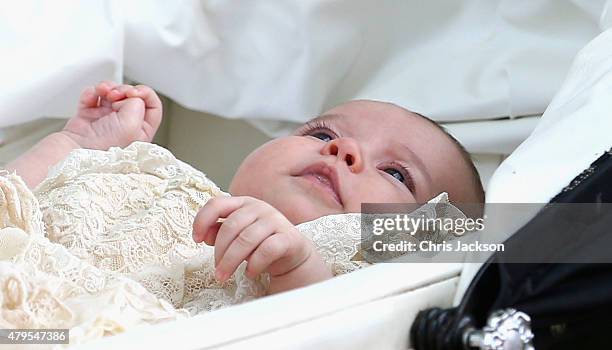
[{"x": 374, "y": 116}]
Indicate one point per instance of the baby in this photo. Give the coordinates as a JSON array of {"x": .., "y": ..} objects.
[{"x": 361, "y": 151}]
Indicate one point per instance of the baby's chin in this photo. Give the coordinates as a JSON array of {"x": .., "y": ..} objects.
[{"x": 298, "y": 209}]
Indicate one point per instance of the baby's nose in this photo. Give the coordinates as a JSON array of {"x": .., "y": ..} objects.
[{"x": 347, "y": 150}]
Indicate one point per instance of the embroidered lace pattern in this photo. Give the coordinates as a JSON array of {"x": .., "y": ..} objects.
[{"x": 42, "y": 285}]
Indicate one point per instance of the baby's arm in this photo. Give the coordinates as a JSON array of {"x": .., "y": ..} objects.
[
  {"x": 33, "y": 165},
  {"x": 108, "y": 115},
  {"x": 258, "y": 233}
]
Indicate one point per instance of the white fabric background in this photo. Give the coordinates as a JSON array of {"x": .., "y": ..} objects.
[
  {"x": 290, "y": 60},
  {"x": 50, "y": 51}
]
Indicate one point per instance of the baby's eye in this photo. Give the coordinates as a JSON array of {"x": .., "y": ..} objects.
[
  {"x": 395, "y": 173},
  {"x": 323, "y": 136},
  {"x": 401, "y": 174},
  {"x": 319, "y": 129}
]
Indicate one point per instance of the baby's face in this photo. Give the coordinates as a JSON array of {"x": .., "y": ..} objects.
[{"x": 358, "y": 152}]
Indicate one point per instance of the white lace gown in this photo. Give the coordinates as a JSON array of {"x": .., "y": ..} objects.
[{"x": 105, "y": 244}]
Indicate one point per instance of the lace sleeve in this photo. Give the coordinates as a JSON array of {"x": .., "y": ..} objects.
[{"x": 337, "y": 238}]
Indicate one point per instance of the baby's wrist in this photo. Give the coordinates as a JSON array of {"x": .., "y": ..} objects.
[
  {"x": 65, "y": 140},
  {"x": 74, "y": 140},
  {"x": 312, "y": 270},
  {"x": 69, "y": 139}
]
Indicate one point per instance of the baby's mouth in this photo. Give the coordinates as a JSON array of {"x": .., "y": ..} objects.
[{"x": 324, "y": 177}]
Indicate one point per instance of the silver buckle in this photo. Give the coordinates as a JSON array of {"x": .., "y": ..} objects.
[{"x": 506, "y": 329}]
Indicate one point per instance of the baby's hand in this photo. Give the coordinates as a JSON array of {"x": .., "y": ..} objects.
[
  {"x": 256, "y": 232},
  {"x": 115, "y": 115}
]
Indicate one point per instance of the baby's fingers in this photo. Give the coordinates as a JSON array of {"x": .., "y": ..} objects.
[
  {"x": 153, "y": 105},
  {"x": 272, "y": 249},
  {"x": 120, "y": 92},
  {"x": 147, "y": 94},
  {"x": 240, "y": 248},
  {"x": 88, "y": 98},
  {"x": 102, "y": 89},
  {"x": 207, "y": 216},
  {"x": 130, "y": 108},
  {"x": 230, "y": 229}
]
